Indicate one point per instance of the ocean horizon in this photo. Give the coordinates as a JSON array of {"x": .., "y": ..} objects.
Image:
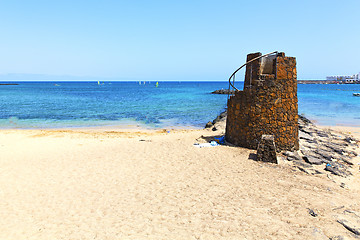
[{"x": 179, "y": 104}]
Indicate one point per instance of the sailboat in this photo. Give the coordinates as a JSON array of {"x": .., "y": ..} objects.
[
  {"x": 157, "y": 84},
  {"x": 100, "y": 83}
]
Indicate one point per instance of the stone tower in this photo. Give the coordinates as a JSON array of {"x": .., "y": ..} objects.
[{"x": 267, "y": 105}]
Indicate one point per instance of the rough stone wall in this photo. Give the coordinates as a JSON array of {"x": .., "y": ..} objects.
[{"x": 267, "y": 105}]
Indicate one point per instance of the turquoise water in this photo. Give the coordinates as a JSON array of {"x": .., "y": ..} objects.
[
  {"x": 330, "y": 104},
  {"x": 87, "y": 104},
  {"x": 172, "y": 104}
]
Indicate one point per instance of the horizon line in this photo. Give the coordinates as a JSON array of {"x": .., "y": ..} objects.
[{"x": 129, "y": 80}]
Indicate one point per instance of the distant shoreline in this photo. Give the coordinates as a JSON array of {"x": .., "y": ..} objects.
[
  {"x": 325, "y": 82},
  {"x": 16, "y": 82}
]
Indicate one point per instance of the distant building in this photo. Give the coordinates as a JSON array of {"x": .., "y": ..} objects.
[{"x": 350, "y": 78}]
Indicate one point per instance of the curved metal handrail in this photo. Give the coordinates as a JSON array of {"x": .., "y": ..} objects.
[{"x": 233, "y": 74}]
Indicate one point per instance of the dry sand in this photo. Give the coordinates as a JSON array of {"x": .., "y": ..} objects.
[{"x": 99, "y": 184}]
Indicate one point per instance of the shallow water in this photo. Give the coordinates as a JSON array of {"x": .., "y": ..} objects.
[
  {"x": 176, "y": 104},
  {"x": 330, "y": 104}
]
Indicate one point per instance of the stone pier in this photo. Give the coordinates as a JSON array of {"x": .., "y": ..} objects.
[{"x": 268, "y": 104}]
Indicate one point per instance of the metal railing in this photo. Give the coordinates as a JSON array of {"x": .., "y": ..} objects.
[{"x": 232, "y": 77}]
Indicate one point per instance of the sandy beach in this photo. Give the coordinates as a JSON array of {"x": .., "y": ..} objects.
[{"x": 130, "y": 184}]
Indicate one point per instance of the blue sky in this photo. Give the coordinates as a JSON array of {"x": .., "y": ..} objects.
[{"x": 174, "y": 40}]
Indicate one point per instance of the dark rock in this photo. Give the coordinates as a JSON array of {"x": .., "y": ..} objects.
[
  {"x": 335, "y": 147},
  {"x": 337, "y": 238},
  {"x": 325, "y": 154},
  {"x": 313, "y": 160},
  {"x": 302, "y": 164},
  {"x": 322, "y": 134},
  {"x": 340, "y": 143},
  {"x": 306, "y": 136},
  {"x": 307, "y": 130},
  {"x": 266, "y": 150},
  {"x": 292, "y": 156},
  {"x": 312, "y": 157},
  {"x": 310, "y": 170},
  {"x": 289, "y": 154},
  {"x": 337, "y": 170},
  {"x": 214, "y": 128},
  {"x": 350, "y": 139},
  {"x": 312, "y": 213},
  {"x": 305, "y": 120},
  {"x": 346, "y": 160},
  {"x": 223, "y": 114},
  {"x": 353, "y": 213},
  {"x": 352, "y": 227},
  {"x": 318, "y": 172},
  {"x": 209, "y": 125},
  {"x": 217, "y": 119},
  {"x": 303, "y": 170},
  {"x": 337, "y": 208},
  {"x": 306, "y": 146},
  {"x": 353, "y": 154},
  {"x": 220, "y": 117},
  {"x": 324, "y": 148},
  {"x": 223, "y": 91}
]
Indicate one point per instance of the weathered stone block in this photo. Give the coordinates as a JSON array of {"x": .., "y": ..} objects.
[{"x": 266, "y": 151}]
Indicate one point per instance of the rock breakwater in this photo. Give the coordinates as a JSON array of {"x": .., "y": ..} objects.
[
  {"x": 223, "y": 91},
  {"x": 317, "y": 147}
]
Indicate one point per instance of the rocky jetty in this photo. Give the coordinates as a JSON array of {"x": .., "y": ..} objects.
[
  {"x": 218, "y": 123},
  {"x": 320, "y": 150},
  {"x": 333, "y": 150},
  {"x": 223, "y": 91}
]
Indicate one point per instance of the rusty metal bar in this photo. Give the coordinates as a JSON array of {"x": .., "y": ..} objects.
[{"x": 233, "y": 74}]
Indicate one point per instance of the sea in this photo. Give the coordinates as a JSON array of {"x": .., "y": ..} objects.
[{"x": 145, "y": 104}]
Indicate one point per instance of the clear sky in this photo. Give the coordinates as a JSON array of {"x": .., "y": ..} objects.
[{"x": 174, "y": 40}]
